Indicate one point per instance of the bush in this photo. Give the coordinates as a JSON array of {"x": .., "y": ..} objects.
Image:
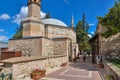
[{"x": 109, "y": 77}]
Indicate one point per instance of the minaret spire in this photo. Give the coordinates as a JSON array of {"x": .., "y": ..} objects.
[{"x": 72, "y": 22}]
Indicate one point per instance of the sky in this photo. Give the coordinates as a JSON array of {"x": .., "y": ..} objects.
[{"x": 13, "y": 11}]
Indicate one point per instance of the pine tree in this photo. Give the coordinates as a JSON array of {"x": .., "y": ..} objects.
[
  {"x": 18, "y": 33},
  {"x": 47, "y": 15},
  {"x": 82, "y": 37},
  {"x": 84, "y": 23},
  {"x": 111, "y": 20}
]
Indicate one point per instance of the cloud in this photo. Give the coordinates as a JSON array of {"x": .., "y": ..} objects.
[
  {"x": 92, "y": 32},
  {"x": 2, "y": 30},
  {"x": 2, "y": 38},
  {"x": 4, "y": 16},
  {"x": 89, "y": 35},
  {"x": 92, "y": 24},
  {"x": 42, "y": 14},
  {"x": 66, "y": 1},
  {"x": 23, "y": 14}
]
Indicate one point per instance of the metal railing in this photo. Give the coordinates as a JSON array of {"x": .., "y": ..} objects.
[{"x": 5, "y": 76}]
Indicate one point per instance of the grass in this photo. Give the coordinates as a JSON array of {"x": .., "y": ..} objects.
[
  {"x": 109, "y": 77},
  {"x": 118, "y": 65},
  {"x": 116, "y": 62}
]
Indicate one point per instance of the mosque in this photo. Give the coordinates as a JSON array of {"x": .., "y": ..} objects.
[{"x": 44, "y": 37}]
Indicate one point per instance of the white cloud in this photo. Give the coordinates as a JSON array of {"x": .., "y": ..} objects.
[
  {"x": 2, "y": 38},
  {"x": 89, "y": 35},
  {"x": 4, "y": 16},
  {"x": 42, "y": 14},
  {"x": 2, "y": 30},
  {"x": 66, "y": 1},
  {"x": 92, "y": 32},
  {"x": 92, "y": 24},
  {"x": 23, "y": 14}
]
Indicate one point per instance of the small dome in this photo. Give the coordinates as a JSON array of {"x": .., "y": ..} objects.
[{"x": 54, "y": 22}]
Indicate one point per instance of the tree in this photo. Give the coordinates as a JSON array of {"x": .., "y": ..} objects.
[
  {"x": 18, "y": 33},
  {"x": 84, "y": 23},
  {"x": 47, "y": 15},
  {"x": 111, "y": 20},
  {"x": 82, "y": 35}
]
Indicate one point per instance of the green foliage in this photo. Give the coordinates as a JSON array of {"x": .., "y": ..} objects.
[
  {"x": 82, "y": 35},
  {"x": 47, "y": 15},
  {"x": 111, "y": 20},
  {"x": 115, "y": 61},
  {"x": 109, "y": 77},
  {"x": 84, "y": 23},
  {"x": 18, "y": 33}
]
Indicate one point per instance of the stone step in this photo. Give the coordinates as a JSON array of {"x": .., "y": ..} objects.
[{"x": 46, "y": 78}]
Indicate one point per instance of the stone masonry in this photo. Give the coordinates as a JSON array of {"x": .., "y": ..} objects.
[
  {"x": 40, "y": 46},
  {"x": 29, "y": 47},
  {"x": 24, "y": 65},
  {"x": 60, "y": 46}
]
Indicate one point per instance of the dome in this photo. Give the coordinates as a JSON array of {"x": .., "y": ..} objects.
[{"x": 54, "y": 22}]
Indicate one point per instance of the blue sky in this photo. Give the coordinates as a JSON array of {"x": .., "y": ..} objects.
[{"x": 12, "y": 12}]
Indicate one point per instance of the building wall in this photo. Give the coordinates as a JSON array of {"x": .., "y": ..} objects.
[
  {"x": 74, "y": 47},
  {"x": 59, "y": 46},
  {"x": 52, "y": 31},
  {"x": 111, "y": 45},
  {"x": 47, "y": 47},
  {"x": 28, "y": 46},
  {"x": 23, "y": 66},
  {"x": 111, "y": 69},
  {"x": 42, "y": 46},
  {"x": 34, "y": 10},
  {"x": 32, "y": 28}
]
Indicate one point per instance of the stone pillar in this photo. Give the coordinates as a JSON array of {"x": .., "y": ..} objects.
[
  {"x": 32, "y": 25},
  {"x": 34, "y": 8}
]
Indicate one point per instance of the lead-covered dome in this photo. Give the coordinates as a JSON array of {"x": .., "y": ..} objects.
[{"x": 54, "y": 22}]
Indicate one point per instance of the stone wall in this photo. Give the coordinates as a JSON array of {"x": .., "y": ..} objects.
[
  {"x": 25, "y": 65},
  {"x": 111, "y": 45},
  {"x": 32, "y": 28},
  {"x": 52, "y": 31},
  {"x": 47, "y": 47},
  {"x": 28, "y": 46},
  {"x": 40, "y": 46},
  {"x": 60, "y": 46},
  {"x": 111, "y": 69}
]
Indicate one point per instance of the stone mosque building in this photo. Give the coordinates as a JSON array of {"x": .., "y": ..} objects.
[{"x": 44, "y": 37}]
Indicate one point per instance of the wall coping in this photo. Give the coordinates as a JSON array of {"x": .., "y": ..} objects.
[
  {"x": 24, "y": 38},
  {"x": 56, "y": 26},
  {"x": 62, "y": 38},
  {"x": 28, "y": 59},
  {"x": 114, "y": 68}
]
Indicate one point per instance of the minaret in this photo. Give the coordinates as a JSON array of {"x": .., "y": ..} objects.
[
  {"x": 72, "y": 22},
  {"x": 32, "y": 25},
  {"x": 34, "y": 8}
]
